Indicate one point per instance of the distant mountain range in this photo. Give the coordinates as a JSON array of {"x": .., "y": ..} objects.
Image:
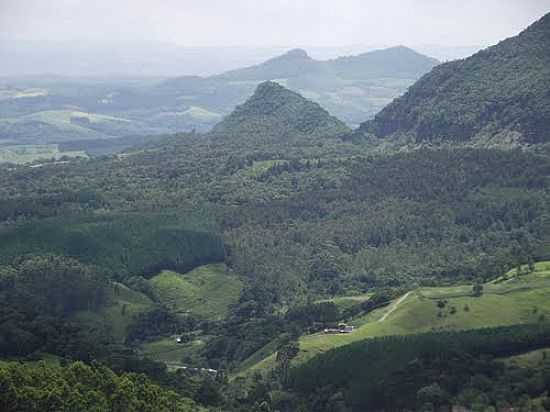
[
  {"x": 59, "y": 110},
  {"x": 395, "y": 62},
  {"x": 352, "y": 88},
  {"x": 499, "y": 96}
]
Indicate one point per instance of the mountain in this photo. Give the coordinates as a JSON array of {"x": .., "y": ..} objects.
[
  {"x": 275, "y": 114},
  {"x": 294, "y": 63},
  {"x": 498, "y": 96},
  {"x": 352, "y": 88},
  {"x": 397, "y": 62}
]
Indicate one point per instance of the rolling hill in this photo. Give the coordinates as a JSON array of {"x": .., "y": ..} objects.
[
  {"x": 506, "y": 301},
  {"x": 499, "y": 96}
]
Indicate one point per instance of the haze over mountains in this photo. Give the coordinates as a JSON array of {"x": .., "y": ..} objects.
[
  {"x": 55, "y": 110},
  {"x": 156, "y": 60},
  {"x": 283, "y": 261}
]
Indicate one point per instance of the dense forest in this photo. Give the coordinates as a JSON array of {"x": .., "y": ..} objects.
[
  {"x": 498, "y": 96},
  {"x": 303, "y": 227},
  {"x": 428, "y": 371}
]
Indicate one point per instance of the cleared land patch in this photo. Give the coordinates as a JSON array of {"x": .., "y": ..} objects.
[
  {"x": 508, "y": 300},
  {"x": 205, "y": 292}
]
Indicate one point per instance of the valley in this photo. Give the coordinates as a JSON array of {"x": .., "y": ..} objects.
[
  {"x": 508, "y": 300},
  {"x": 367, "y": 233}
]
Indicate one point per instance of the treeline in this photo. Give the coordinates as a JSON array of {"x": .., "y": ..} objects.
[
  {"x": 123, "y": 244},
  {"x": 397, "y": 372},
  {"x": 65, "y": 203}
]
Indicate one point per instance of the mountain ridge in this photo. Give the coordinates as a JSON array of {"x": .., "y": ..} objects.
[
  {"x": 297, "y": 63},
  {"x": 497, "y": 96}
]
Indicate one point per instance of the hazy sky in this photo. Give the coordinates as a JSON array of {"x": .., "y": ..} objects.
[{"x": 267, "y": 23}]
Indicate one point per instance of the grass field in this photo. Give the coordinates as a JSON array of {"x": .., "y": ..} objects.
[
  {"x": 173, "y": 354},
  {"x": 506, "y": 301},
  {"x": 121, "y": 305},
  {"x": 22, "y": 154},
  {"x": 205, "y": 292},
  {"x": 200, "y": 113},
  {"x": 62, "y": 125},
  {"x": 531, "y": 359}
]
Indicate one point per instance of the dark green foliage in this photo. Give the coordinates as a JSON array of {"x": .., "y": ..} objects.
[
  {"x": 499, "y": 90},
  {"x": 477, "y": 289},
  {"x": 53, "y": 286},
  {"x": 325, "y": 313},
  {"x": 158, "y": 322},
  {"x": 39, "y": 295},
  {"x": 277, "y": 115},
  {"x": 80, "y": 387},
  {"x": 64, "y": 203},
  {"x": 122, "y": 244},
  {"x": 390, "y": 372}
]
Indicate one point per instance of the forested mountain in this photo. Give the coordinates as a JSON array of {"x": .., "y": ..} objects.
[
  {"x": 498, "y": 96},
  {"x": 279, "y": 115}
]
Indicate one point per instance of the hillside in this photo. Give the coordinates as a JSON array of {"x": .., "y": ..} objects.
[
  {"x": 293, "y": 63},
  {"x": 394, "y": 62},
  {"x": 499, "y": 96},
  {"x": 275, "y": 114},
  {"x": 505, "y": 301}
]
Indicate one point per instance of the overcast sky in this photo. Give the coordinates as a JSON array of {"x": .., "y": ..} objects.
[{"x": 267, "y": 23}]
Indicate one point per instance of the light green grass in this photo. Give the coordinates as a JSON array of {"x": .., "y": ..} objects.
[
  {"x": 22, "y": 154},
  {"x": 259, "y": 167},
  {"x": 122, "y": 304},
  {"x": 61, "y": 119},
  {"x": 532, "y": 359},
  {"x": 513, "y": 301},
  {"x": 6, "y": 94},
  {"x": 65, "y": 116},
  {"x": 200, "y": 113},
  {"x": 205, "y": 292},
  {"x": 171, "y": 353}
]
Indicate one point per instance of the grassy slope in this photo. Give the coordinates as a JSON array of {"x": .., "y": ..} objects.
[
  {"x": 112, "y": 315},
  {"x": 173, "y": 354},
  {"x": 511, "y": 301},
  {"x": 22, "y": 154},
  {"x": 205, "y": 292},
  {"x": 530, "y": 359}
]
